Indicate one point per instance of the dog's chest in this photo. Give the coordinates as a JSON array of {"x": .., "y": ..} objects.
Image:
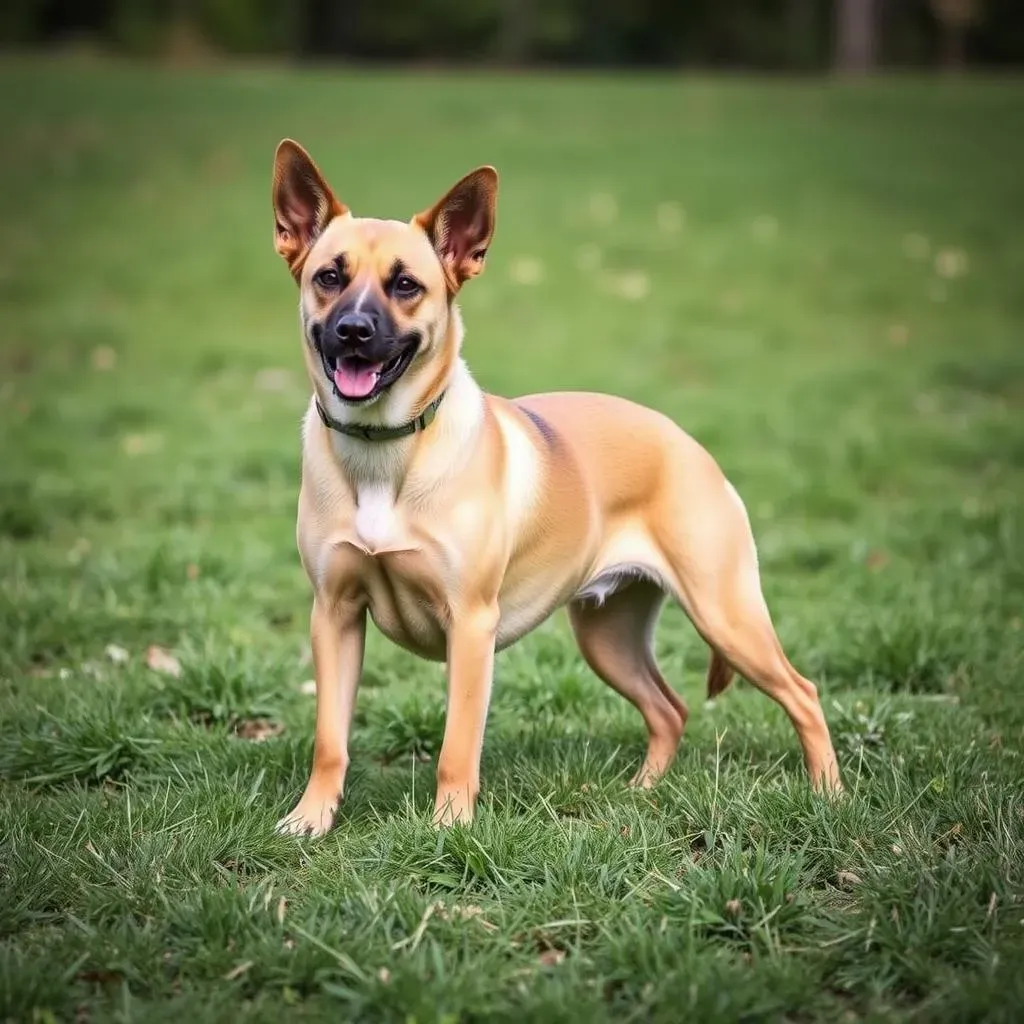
[
  {"x": 398, "y": 566},
  {"x": 377, "y": 523}
]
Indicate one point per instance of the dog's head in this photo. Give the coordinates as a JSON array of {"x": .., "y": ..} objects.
[{"x": 376, "y": 296}]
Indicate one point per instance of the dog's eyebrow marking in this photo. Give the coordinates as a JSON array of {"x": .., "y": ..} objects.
[
  {"x": 396, "y": 268},
  {"x": 547, "y": 431}
]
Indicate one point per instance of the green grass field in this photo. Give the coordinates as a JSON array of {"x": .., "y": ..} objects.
[{"x": 821, "y": 282}]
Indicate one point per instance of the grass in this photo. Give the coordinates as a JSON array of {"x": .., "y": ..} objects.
[{"x": 821, "y": 282}]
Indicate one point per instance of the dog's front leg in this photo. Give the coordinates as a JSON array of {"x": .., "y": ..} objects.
[
  {"x": 470, "y": 667},
  {"x": 338, "y": 637}
]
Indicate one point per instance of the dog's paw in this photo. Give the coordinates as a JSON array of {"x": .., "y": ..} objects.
[
  {"x": 453, "y": 808},
  {"x": 647, "y": 777},
  {"x": 309, "y": 818},
  {"x": 642, "y": 780}
]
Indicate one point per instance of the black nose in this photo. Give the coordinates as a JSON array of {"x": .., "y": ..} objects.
[{"x": 355, "y": 328}]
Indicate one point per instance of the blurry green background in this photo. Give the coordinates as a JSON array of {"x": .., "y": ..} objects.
[{"x": 818, "y": 277}]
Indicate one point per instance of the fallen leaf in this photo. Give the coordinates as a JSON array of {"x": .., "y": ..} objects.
[
  {"x": 465, "y": 912},
  {"x": 102, "y": 976},
  {"x": 79, "y": 550},
  {"x": 899, "y": 334},
  {"x": 552, "y": 957},
  {"x": 237, "y": 972},
  {"x": 926, "y": 403},
  {"x": 141, "y": 444},
  {"x": 258, "y": 729},
  {"x": 876, "y": 560},
  {"x": 526, "y": 270},
  {"x": 733, "y": 301},
  {"x": 103, "y": 358},
  {"x": 970, "y": 508},
  {"x": 847, "y": 879},
  {"x": 118, "y": 655},
  {"x": 629, "y": 284},
  {"x": 274, "y": 379},
  {"x": 220, "y": 165},
  {"x": 950, "y": 263},
  {"x": 670, "y": 217},
  {"x": 916, "y": 247},
  {"x": 161, "y": 660},
  {"x": 588, "y": 257},
  {"x": 603, "y": 207}
]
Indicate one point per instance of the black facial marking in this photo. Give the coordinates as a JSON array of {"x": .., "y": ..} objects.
[
  {"x": 341, "y": 263},
  {"x": 396, "y": 271}
]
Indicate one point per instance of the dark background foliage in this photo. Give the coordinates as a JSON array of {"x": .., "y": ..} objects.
[{"x": 762, "y": 34}]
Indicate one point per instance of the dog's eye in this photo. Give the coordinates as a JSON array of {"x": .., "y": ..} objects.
[
  {"x": 406, "y": 286},
  {"x": 327, "y": 278}
]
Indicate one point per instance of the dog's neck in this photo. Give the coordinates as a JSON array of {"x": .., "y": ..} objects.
[
  {"x": 429, "y": 455},
  {"x": 425, "y": 458}
]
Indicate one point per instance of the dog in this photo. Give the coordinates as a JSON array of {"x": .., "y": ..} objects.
[{"x": 459, "y": 521}]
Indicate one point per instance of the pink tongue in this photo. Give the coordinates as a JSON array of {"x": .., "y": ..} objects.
[{"x": 355, "y": 378}]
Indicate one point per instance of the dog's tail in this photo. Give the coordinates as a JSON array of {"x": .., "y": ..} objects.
[{"x": 720, "y": 674}]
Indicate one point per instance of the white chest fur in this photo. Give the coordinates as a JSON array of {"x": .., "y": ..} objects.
[{"x": 376, "y": 519}]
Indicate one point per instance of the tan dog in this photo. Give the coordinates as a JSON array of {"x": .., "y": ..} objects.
[{"x": 460, "y": 521}]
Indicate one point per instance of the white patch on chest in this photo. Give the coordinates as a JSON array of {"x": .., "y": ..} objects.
[{"x": 376, "y": 520}]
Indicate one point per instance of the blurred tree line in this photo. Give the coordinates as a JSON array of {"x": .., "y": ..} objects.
[{"x": 854, "y": 35}]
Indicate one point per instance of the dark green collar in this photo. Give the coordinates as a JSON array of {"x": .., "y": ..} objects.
[{"x": 371, "y": 433}]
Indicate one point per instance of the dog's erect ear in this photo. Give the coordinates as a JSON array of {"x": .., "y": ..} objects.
[
  {"x": 303, "y": 203},
  {"x": 461, "y": 225}
]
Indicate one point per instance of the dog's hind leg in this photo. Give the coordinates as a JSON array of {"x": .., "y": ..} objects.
[
  {"x": 615, "y": 639},
  {"x": 709, "y": 550}
]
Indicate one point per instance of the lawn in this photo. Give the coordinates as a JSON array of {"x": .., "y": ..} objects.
[{"x": 821, "y": 282}]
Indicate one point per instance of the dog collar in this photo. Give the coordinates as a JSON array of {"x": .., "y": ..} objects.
[{"x": 365, "y": 432}]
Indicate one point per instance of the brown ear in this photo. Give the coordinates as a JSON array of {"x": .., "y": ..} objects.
[
  {"x": 461, "y": 225},
  {"x": 303, "y": 203}
]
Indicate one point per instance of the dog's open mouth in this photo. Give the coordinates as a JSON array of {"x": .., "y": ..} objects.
[{"x": 359, "y": 380}]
